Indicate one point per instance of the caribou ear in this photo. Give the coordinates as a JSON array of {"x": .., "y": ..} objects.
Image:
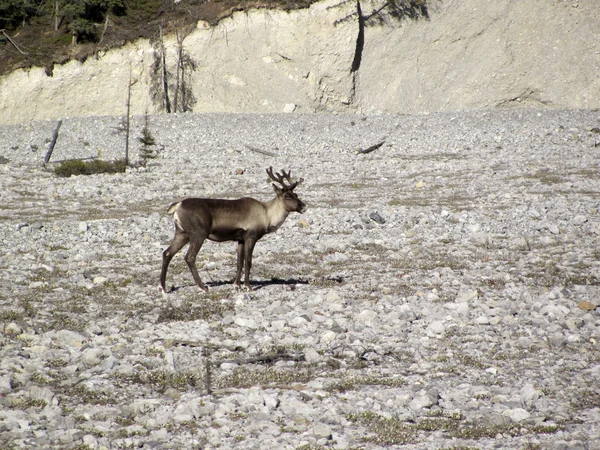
[{"x": 277, "y": 189}]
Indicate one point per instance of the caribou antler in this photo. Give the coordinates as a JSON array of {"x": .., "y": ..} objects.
[{"x": 280, "y": 178}]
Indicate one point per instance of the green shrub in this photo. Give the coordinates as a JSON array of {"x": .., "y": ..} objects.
[{"x": 79, "y": 167}]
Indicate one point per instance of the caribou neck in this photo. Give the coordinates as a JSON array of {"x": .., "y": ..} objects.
[{"x": 276, "y": 214}]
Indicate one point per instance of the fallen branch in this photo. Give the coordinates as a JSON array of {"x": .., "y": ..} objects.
[
  {"x": 258, "y": 150},
  {"x": 371, "y": 148},
  {"x": 268, "y": 358},
  {"x": 13, "y": 42},
  {"x": 169, "y": 343}
]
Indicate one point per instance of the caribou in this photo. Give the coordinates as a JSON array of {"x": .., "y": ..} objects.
[{"x": 244, "y": 220}]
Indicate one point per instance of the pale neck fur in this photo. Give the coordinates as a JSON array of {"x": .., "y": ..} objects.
[{"x": 276, "y": 214}]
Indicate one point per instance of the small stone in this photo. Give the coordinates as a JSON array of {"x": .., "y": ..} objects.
[
  {"x": 90, "y": 441},
  {"x": 289, "y": 108},
  {"x": 99, "y": 280},
  {"x": 586, "y": 306},
  {"x": 271, "y": 401},
  {"x": 12, "y": 329},
  {"x": 303, "y": 223},
  {"x": 465, "y": 296},
  {"x": 332, "y": 296},
  {"x": 322, "y": 430},
  {"x": 172, "y": 393},
  {"x": 44, "y": 394},
  {"x": 328, "y": 337},
  {"x": 298, "y": 322},
  {"x": 70, "y": 338},
  {"x": 421, "y": 400},
  {"x": 245, "y": 322},
  {"x": 82, "y": 227},
  {"x": 436, "y": 327},
  {"x": 496, "y": 420},
  {"x": 517, "y": 415},
  {"x": 312, "y": 356},
  {"x": 92, "y": 356},
  {"x": 376, "y": 217},
  {"x": 574, "y": 324},
  {"x": 529, "y": 395},
  {"x": 420, "y": 184},
  {"x": 482, "y": 320},
  {"x": 367, "y": 316},
  {"x": 553, "y": 228},
  {"x": 5, "y": 384}
]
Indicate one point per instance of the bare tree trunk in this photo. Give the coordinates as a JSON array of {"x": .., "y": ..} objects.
[
  {"x": 56, "y": 16},
  {"x": 52, "y": 142},
  {"x": 104, "y": 30},
  {"x": 127, "y": 120},
  {"x": 182, "y": 82},
  {"x": 164, "y": 79},
  {"x": 178, "y": 71}
]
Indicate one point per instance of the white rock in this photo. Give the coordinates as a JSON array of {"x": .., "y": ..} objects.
[
  {"x": 367, "y": 316},
  {"x": 322, "y": 430},
  {"x": 332, "y": 296},
  {"x": 245, "y": 322},
  {"x": 99, "y": 280},
  {"x": 421, "y": 400},
  {"x": 517, "y": 415},
  {"x": 328, "y": 337},
  {"x": 289, "y": 108},
  {"x": 436, "y": 327},
  {"x": 466, "y": 296},
  {"x": 70, "y": 338},
  {"x": 291, "y": 406},
  {"x": 312, "y": 356},
  {"x": 271, "y": 401},
  {"x": 43, "y": 393},
  {"x": 482, "y": 320},
  {"x": 12, "y": 328},
  {"x": 529, "y": 395},
  {"x": 5, "y": 384},
  {"x": 298, "y": 322},
  {"x": 92, "y": 356},
  {"x": 595, "y": 371}
]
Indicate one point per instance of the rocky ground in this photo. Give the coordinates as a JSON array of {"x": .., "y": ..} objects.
[{"x": 439, "y": 293}]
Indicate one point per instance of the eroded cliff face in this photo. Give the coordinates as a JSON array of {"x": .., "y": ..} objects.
[
  {"x": 457, "y": 54},
  {"x": 473, "y": 54}
]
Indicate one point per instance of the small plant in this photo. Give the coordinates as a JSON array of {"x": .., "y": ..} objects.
[
  {"x": 189, "y": 311},
  {"x": 26, "y": 403},
  {"x": 161, "y": 379},
  {"x": 148, "y": 149},
  {"x": 386, "y": 431},
  {"x": 79, "y": 167},
  {"x": 244, "y": 378},
  {"x": 354, "y": 383},
  {"x": 10, "y": 316}
]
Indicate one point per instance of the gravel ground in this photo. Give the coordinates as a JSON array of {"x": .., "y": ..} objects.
[{"x": 440, "y": 292}]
